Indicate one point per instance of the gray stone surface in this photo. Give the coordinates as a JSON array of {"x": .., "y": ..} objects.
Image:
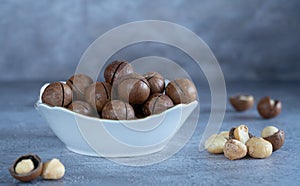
[
  {"x": 42, "y": 40},
  {"x": 22, "y": 130}
]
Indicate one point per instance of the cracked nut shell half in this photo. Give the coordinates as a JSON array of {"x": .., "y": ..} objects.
[
  {"x": 277, "y": 139},
  {"x": 269, "y": 108},
  {"x": 242, "y": 102},
  {"x": 33, "y": 174}
]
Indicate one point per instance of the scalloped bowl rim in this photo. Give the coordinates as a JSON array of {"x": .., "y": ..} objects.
[{"x": 63, "y": 109}]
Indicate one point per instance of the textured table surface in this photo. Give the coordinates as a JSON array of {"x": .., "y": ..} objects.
[{"x": 23, "y": 130}]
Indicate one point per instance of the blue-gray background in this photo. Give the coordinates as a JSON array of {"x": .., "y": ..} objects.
[{"x": 43, "y": 40}]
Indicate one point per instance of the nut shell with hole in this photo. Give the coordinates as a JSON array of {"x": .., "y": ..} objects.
[
  {"x": 22, "y": 168},
  {"x": 242, "y": 102},
  {"x": 269, "y": 108},
  {"x": 275, "y": 136}
]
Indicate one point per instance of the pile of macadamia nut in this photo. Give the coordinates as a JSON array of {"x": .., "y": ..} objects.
[
  {"x": 238, "y": 142},
  {"x": 124, "y": 95}
]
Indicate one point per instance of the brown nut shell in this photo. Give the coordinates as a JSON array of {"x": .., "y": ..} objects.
[
  {"x": 38, "y": 167},
  {"x": 157, "y": 103},
  {"x": 98, "y": 94},
  {"x": 133, "y": 88},
  {"x": 181, "y": 91},
  {"x": 117, "y": 110},
  {"x": 277, "y": 139},
  {"x": 79, "y": 83},
  {"x": 242, "y": 102},
  {"x": 138, "y": 110},
  {"x": 82, "y": 107},
  {"x": 116, "y": 70},
  {"x": 156, "y": 82},
  {"x": 57, "y": 94},
  {"x": 269, "y": 108}
]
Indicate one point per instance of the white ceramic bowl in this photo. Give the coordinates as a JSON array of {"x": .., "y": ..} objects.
[{"x": 114, "y": 138}]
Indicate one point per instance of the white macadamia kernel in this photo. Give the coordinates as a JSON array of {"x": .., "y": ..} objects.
[
  {"x": 234, "y": 149},
  {"x": 209, "y": 140},
  {"x": 241, "y": 133},
  {"x": 215, "y": 143},
  {"x": 259, "y": 148},
  {"x": 269, "y": 131},
  {"x": 272, "y": 102},
  {"x": 24, "y": 166},
  {"x": 53, "y": 170},
  {"x": 246, "y": 98},
  {"x": 225, "y": 134}
]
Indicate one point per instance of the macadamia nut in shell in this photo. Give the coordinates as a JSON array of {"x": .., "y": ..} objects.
[
  {"x": 57, "y": 94},
  {"x": 98, "y": 94},
  {"x": 242, "y": 102},
  {"x": 79, "y": 83},
  {"x": 118, "y": 110},
  {"x": 26, "y": 168},
  {"x": 181, "y": 91},
  {"x": 275, "y": 136},
  {"x": 156, "y": 82},
  {"x": 116, "y": 70},
  {"x": 133, "y": 88},
  {"x": 269, "y": 108}
]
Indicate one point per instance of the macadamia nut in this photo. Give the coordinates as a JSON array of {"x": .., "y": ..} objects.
[
  {"x": 234, "y": 149},
  {"x": 268, "y": 131},
  {"x": 53, "y": 170},
  {"x": 275, "y": 136},
  {"x": 24, "y": 166},
  {"x": 269, "y": 108},
  {"x": 241, "y": 133},
  {"x": 225, "y": 134},
  {"x": 259, "y": 148},
  {"x": 181, "y": 91},
  {"x": 242, "y": 102},
  {"x": 215, "y": 143}
]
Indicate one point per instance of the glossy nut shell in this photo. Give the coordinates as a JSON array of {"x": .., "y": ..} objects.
[
  {"x": 98, "y": 94},
  {"x": 57, "y": 94},
  {"x": 156, "y": 82},
  {"x": 133, "y": 88},
  {"x": 117, "y": 110},
  {"x": 116, "y": 70},
  {"x": 277, "y": 139},
  {"x": 181, "y": 91},
  {"x": 82, "y": 107},
  {"x": 269, "y": 108},
  {"x": 79, "y": 83},
  {"x": 157, "y": 103}
]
